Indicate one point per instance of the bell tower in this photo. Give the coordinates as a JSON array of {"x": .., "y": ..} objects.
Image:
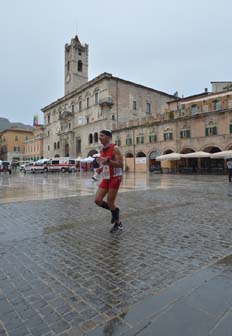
[{"x": 76, "y": 65}]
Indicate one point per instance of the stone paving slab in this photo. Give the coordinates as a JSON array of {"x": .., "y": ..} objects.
[
  {"x": 203, "y": 307},
  {"x": 63, "y": 273}
]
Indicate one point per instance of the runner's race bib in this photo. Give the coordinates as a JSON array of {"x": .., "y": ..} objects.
[{"x": 106, "y": 172}]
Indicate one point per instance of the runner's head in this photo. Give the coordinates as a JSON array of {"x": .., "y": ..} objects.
[{"x": 105, "y": 136}]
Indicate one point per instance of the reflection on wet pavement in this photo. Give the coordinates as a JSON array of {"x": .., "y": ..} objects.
[
  {"x": 23, "y": 187},
  {"x": 63, "y": 273}
]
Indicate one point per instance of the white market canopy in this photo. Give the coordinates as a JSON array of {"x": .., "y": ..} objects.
[
  {"x": 222, "y": 155},
  {"x": 171, "y": 157},
  {"x": 196, "y": 155},
  {"x": 176, "y": 156}
]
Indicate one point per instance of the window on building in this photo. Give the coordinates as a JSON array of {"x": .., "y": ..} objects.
[
  {"x": 87, "y": 120},
  {"x": 90, "y": 138},
  {"x": 58, "y": 144},
  {"x": 95, "y": 137},
  {"x": 48, "y": 133},
  {"x": 212, "y": 130},
  {"x": 80, "y": 106},
  {"x": 68, "y": 66},
  {"x": 152, "y": 138},
  {"x": 96, "y": 98},
  {"x": 168, "y": 136},
  {"x": 54, "y": 145},
  {"x": 113, "y": 117},
  {"x": 48, "y": 147},
  {"x": 140, "y": 139},
  {"x": 49, "y": 117},
  {"x": 230, "y": 103},
  {"x": 231, "y": 128},
  {"x": 193, "y": 109},
  {"x": 128, "y": 140},
  {"x": 134, "y": 105},
  {"x": 118, "y": 141},
  {"x": 181, "y": 110},
  {"x": 78, "y": 145},
  {"x": 79, "y": 66},
  {"x": 69, "y": 125},
  {"x": 148, "y": 107},
  {"x": 205, "y": 108},
  {"x": 26, "y": 137},
  {"x": 185, "y": 134},
  {"x": 87, "y": 102},
  {"x": 16, "y": 138},
  {"x": 216, "y": 105},
  {"x": 73, "y": 108}
]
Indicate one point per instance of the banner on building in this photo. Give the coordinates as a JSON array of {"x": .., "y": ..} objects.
[{"x": 36, "y": 120}]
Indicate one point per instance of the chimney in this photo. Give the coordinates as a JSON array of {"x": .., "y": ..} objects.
[{"x": 206, "y": 90}]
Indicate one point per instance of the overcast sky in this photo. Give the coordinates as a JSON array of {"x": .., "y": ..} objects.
[{"x": 169, "y": 45}]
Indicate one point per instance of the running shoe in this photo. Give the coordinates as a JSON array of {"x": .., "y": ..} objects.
[{"x": 117, "y": 227}]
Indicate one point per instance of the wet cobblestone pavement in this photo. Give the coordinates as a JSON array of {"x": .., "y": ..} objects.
[{"x": 63, "y": 273}]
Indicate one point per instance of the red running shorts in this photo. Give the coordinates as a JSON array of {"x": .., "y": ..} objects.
[{"x": 113, "y": 183}]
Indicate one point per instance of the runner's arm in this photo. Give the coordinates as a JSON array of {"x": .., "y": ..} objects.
[{"x": 117, "y": 161}]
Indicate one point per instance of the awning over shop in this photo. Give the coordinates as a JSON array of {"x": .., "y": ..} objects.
[
  {"x": 170, "y": 157},
  {"x": 196, "y": 155},
  {"x": 222, "y": 155}
]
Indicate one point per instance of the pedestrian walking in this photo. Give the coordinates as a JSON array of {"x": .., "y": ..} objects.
[
  {"x": 95, "y": 165},
  {"x": 229, "y": 167},
  {"x": 111, "y": 167}
]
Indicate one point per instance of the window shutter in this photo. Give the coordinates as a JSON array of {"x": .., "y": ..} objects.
[
  {"x": 215, "y": 130},
  {"x": 206, "y": 131},
  {"x": 230, "y": 128}
]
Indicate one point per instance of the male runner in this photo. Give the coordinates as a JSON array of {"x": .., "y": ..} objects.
[{"x": 111, "y": 166}]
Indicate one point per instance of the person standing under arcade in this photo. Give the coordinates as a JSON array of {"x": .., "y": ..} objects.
[{"x": 111, "y": 167}]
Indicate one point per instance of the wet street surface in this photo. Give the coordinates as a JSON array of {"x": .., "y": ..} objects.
[{"x": 168, "y": 273}]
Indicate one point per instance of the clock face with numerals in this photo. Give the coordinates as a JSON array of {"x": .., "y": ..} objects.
[{"x": 68, "y": 77}]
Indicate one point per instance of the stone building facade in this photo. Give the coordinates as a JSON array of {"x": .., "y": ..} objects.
[
  {"x": 145, "y": 122},
  {"x": 201, "y": 122},
  {"x": 73, "y": 122}
]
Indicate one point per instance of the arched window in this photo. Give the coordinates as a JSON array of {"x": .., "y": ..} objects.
[
  {"x": 79, "y": 66},
  {"x": 90, "y": 138},
  {"x": 54, "y": 145}
]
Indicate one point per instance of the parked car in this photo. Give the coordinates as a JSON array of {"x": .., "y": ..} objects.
[
  {"x": 5, "y": 167},
  {"x": 61, "y": 164}
]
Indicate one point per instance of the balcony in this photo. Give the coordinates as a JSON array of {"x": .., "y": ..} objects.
[
  {"x": 108, "y": 101},
  {"x": 66, "y": 115}
]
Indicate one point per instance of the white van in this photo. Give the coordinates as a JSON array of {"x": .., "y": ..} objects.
[
  {"x": 36, "y": 167},
  {"x": 60, "y": 164}
]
